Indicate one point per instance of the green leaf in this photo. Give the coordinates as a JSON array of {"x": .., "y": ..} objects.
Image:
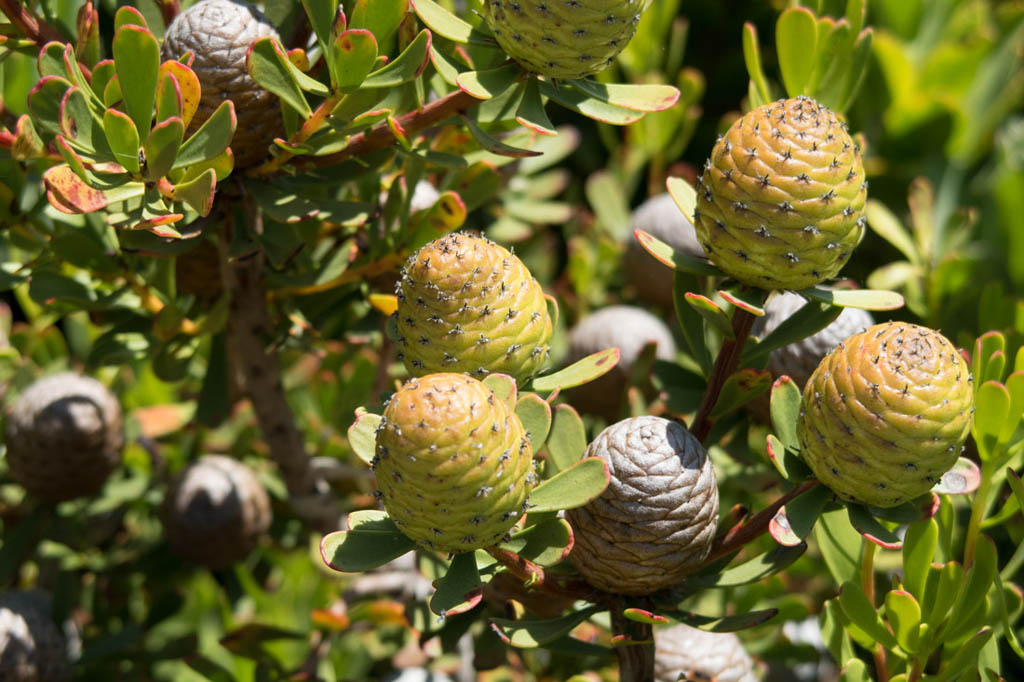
[
  {"x": 495, "y": 146},
  {"x": 941, "y": 591},
  {"x": 574, "y": 487},
  {"x": 862, "y": 614},
  {"x": 446, "y": 215},
  {"x": 269, "y": 66},
  {"x": 211, "y": 139},
  {"x": 857, "y": 69},
  {"x": 322, "y": 14},
  {"x": 919, "y": 545},
  {"x": 866, "y": 299},
  {"x": 992, "y": 402},
  {"x": 791, "y": 467},
  {"x": 67, "y": 192},
  {"x": 580, "y": 372},
  {"x": 739, "y": 389},
  {"x": 168, "y": 97},
  {"x": 545, "y": 543},
  {"x": 489, "y": 83},
  {"x": 666, "y": 255},
  {"x": 405, "y": 67},
  {"x": 530, "y": 634},
  {"x": 796, "y": 37},
  {"x": 756, "y": 569},
  {"x": 352, "y": 57},
  {"x": 871, "y": 528},
  {"x": 535, "y": 414},
  {"x": 162, "y": 147},
  {"x": 978, "y": 581},
  {"x": 811, "y": 318},
  {"x": 137, "y": 61},
  {"x": 198, "y": 192},
  {"x": 44, "y": 101},
  {"x": 129, "y": 16},
  {"x": 752, "y": 58},
  {"x": 531, "y": 113},
  {"x": 644, "y": 97},
  {"x": 80, "y": 125},
  {"x": 122, "y": 138},
  {"x": 840, "y": 544},
  {"x": 855, "y": 670},
  {"x": 372, "y": 540},
  {"x": 904, "y": 614},
  {"x": 989, "y": 345},
  {"x": 362, "y": 435},
  {"x": 504, "y": 387},
  {"x": 834, "y": 42},
  {"x": 1015, "y": 385},
  {"x": 734, "y": 623},
  {"x": 785, "y": 410},
  {"x": 380, "y": 17},
  {"x": 460, "y": 589},
  {"x": 886, "y": 225},
  {"x": 50, "y": 61},
  {"x": 711, "y": 313},
  {"x": 567, "y": 439},
  {"x": 442, "y": 22},
  {"x": 965, "y": 658},
  {"x": 804, "y": 511},
  {"x": 572, "y": 98}
]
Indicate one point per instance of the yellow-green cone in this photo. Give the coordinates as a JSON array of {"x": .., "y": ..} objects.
[
  {"x": 453, "y": 463},
  {"x": 466, "y": 304},
  {"x": 885, "y": 413},
  {"x": 780, "y": 204},
  {"x": 563, "y": 39}
]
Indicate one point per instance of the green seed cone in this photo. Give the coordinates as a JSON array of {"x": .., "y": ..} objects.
[
  {"x": 780, "y": 204},
  {"x": 562, "y": 39},
  {"x": 466, "y": 304},
  {"x": 885, "y": 413},
  {"x": 453, "y": 464}
]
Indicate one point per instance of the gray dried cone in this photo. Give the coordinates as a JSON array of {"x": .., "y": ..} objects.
[
  {"x": 660, "y": 217},
  {"x": 215, "y": 512},
  {"x": 656, "y": 519},
  {"x": 218, "y": 33},
  {"x": 627, "y": 328},
  {"x": 64, "y": 437},
  {"x": 799, "y": 360},
  {"x": 32, "y": 649},
  {"x": 701, "y": 656}
]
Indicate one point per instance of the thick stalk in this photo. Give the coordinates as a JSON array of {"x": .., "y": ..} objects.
[
  {"x": 536, "y": 576},
  {"x": 248, "y": 331},
  {"x": 636, "y": 661},
  {"x": 381, "y": 136},
  {"x": 725, "y": 364},
  {"x": 30, "y": 26}
]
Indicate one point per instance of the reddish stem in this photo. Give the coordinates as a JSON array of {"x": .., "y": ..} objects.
[
  {"x": 6, "y": 139},
  {"x": 379, "y": 137},
  {"x": 30, "y": 26},
  {"x": 725, "y": 365},
  {"x": 740, "y": 534},
  {"x": 530, "y": 572}
]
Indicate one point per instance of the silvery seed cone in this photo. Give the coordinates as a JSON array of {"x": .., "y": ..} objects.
[
  {"x": 780, "y": 204},
  {"x": 656, "y": 520},
  {"x": 627, "y": 328},
  {"x": 684, "y": 652},
  {"x": 799, "y": 360},
  {"x": 561, "y": 39},
  {"x": 660, "y": 217},
  {"x": 64, "y": 437},
  {"x": 466, "y": 304},
  {"x": 885, "y": 413},
  {"x": 215, "y": 512},
  {"x": 218, "y": 33},
  {"x": 453, "y": 463},
  {"x": 32, "y": 649}
]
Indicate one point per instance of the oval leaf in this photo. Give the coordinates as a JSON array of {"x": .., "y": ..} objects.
[
  {"x": 365, "y": 546},
  {"x": 460, "y": 589},
  {"x": 362, "y": 435},
  {"x": 137, "y": 62},
  {"x": 574, "y": 487},
  {"x": 567, "y": 440}
]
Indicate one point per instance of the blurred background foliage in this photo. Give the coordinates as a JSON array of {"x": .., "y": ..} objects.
[{"x": 942, "y": 111}]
